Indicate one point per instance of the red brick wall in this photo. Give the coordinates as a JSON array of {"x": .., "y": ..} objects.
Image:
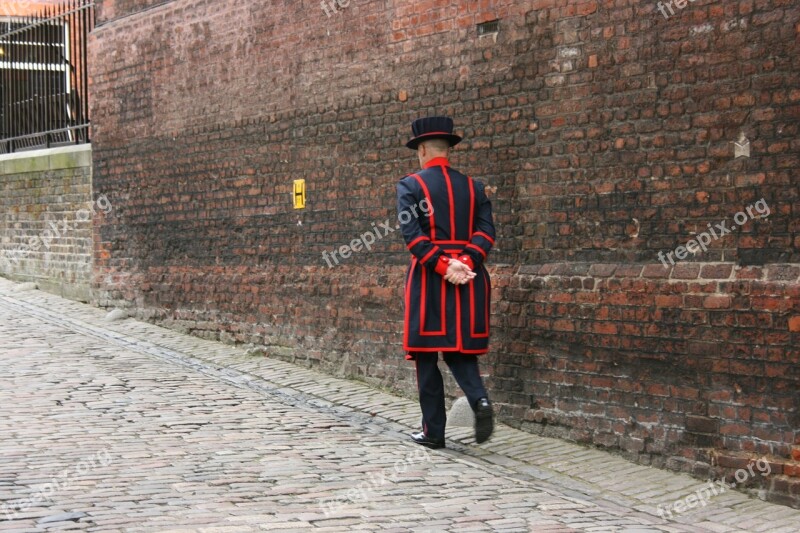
[{"x": 605, "y": 127}]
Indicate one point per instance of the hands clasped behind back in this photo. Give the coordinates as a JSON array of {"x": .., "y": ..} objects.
[{"x": 458, "y": 273}]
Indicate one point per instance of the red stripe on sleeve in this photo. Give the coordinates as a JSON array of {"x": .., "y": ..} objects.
[
  {"x": 485, "y": 236},
  {"x": 429, "y": 255},
  {"x": 430, "y": 203},
  {"x": 418, "y": 240},
  {"x": 477, "y": 248}
]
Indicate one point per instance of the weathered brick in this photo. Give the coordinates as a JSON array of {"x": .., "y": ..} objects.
[
  {"x": 717, "y": 302},
  {"x": 791, "y": 469},
  {"x": 686, "y": 271},
  {"x": 702, "y": 424},
  {"x": 602, "y": 270},
  {"x": 655, "y": 271},
  {"x": 783, "y": 273},
  {"x": 716, "y": 271}
]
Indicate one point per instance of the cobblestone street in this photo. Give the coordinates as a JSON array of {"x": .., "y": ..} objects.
[{"x": 125, "y": 426}]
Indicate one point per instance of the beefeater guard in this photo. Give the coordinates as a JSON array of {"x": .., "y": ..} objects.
[{"x": 447, "y": 289}]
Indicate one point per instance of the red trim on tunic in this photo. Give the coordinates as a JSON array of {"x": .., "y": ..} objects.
[
  {"x": 448, "y": 349},
  {"x": 451, "y": 242},
  {"x": 476, "y": 352},
  {"x": 430, "y": 203},
  {"x": 474, "y": 334},
  {"x": 418, "y": 240},
  {"x": 459, "y": 339},
  {"x": 471, "y": 206},
  {"x": 408, "y": 303},
  {"x": 453, "y": 232},
  {"x": 436, "y": 162},
  {"x": 444, "y": 349},
  {"x": 423, "y": 307},
  {"x": 470, "y": 245},
  {"x": 488, "y": 305},
  {"x": 429, "y": 254},
  {"x": 485, "y": 236},
  {"x": 422, "y": 302}
]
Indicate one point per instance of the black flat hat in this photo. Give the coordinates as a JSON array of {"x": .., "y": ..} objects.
[{"x": 427, "y": 128}]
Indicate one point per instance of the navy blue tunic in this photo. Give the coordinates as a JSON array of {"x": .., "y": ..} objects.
[{"x": 442, "y": 211}]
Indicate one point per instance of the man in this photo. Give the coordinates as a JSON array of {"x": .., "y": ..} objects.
[{"x": 447, "y": 292}]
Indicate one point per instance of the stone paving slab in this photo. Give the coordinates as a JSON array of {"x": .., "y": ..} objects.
[{"x": 199, "y": 436}]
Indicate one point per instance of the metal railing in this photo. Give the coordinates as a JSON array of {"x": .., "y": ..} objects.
[{"x": 44, "y": 77}]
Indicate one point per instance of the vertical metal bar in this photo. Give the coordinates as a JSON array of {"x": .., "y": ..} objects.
[
  {"x": 39, "y": 80},
  {"x": 12, "y": 86},
  {"x": 80, "y": 60},
  {"x": 53, "y": 97},
  {"x": 31, "y": 56},
  {"x": 50, "y": 117},
  {"x": 84, "y": 62},
  {"x": 33, "y": 34},
  {"x": 47, "y": 78},
  {"x": 80, "y": 66},
  {"x": 69, "y": 42},
  {"x": 6, "y": 88},
  {"x": 53, "y": 121},
  {"x": 24, "y": 82},
  {"x": 18, "y": 83},
  {"x": 88, "y": 26},
  {"x": 65, "y": 26},
  {"x": 77, "y": 73},
  {"x": 12, "y": 93},
  {"x": 56, "y": 80},
  {"x": 25, "y": 79},
  {"x": 44, "y": 73},
  {"x": 6, "y": 83},
  {"x": 16, "y": 89}
]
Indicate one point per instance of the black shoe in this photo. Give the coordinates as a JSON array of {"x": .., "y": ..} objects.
[
  {"x": 484, "y": 420},
  {"x": 423, "y": 439}
]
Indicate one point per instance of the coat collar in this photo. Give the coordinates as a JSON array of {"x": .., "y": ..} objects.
[{"x": 437, "y": 162}]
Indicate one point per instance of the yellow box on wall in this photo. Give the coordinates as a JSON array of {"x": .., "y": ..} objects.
[{"x": 299, "y": 194}]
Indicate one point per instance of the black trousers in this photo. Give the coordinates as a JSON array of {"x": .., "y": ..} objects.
[{"x": 431, "y": 387}]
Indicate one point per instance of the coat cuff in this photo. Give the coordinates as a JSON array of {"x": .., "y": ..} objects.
[{"x": 442, "y": 264}]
